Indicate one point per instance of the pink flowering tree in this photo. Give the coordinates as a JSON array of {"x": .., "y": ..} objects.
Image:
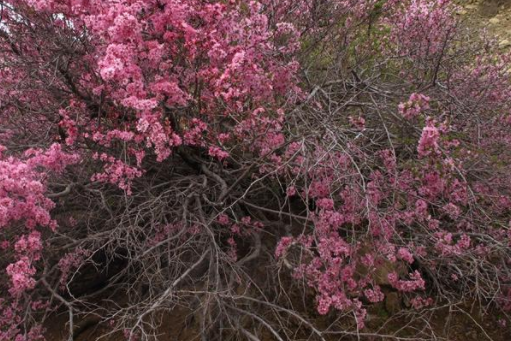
[
  {"x": 25, "y": 217},
  {"x": 224, "y": 157}
]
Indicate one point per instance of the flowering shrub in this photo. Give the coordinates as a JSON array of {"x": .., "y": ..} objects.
[
  {"x": 349, "y": 147},
  {"x": 24, "y": 209},
  {"x": 414, "y": 106}
]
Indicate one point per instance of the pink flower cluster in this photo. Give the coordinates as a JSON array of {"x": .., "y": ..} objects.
[
  {"x": 22, "y": 199},
  {"x": 415, "y": 283},
  {"x": 416, "y": 104},
  {"x": 421, "y": 29},
  {"x": 21, "y": 273},
  {"x": 429, "y": 140},
  {"x": 71, "y": 261},
  {"x": 23, "y": 204},
  {"x": 117, "y": 173},
  {"x": 446, "y": 246}
]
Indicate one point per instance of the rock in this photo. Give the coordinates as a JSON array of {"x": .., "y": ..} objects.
[
  {"x": 384, "y": 268},
  {"x": 472, "y": 335},
  {"x": 494, "y": 21},
  {"x": 504, "y": 43},
  {"x": 407, "y": 302},
  {"x": 392, "y": 303}
]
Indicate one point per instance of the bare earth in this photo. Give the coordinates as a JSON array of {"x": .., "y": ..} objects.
[{"x": 492, "y": 15}]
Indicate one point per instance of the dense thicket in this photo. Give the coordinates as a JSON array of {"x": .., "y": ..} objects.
[{"x": 229, "y": 156}]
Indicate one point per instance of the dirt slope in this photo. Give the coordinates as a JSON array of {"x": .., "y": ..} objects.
[{"x": 492, "y": 15}]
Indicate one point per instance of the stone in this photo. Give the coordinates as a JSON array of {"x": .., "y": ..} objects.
[
  {"x": 504, "y": 43},
  {"x": 392, "y": 303},
  {"x": 494, "y": 21},
  {"x": 385, "y": 267}
]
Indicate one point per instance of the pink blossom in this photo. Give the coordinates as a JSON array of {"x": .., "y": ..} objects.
[
  {"x": 218, "y": 153},
  {"x": 374, "y": 295},
  {"x": 420, "y": 302},
  {"x": 291, "y": 191},
  {"x": 21, "y": 274},
  {"x": 284, "y": 244},
  {"x": 223, "y": 219},
  {"x": 326, "y": 204},
  {"x": 30, "y": 245},
  {"x": 405, "y": 254},
  {"x": 71, "y": 261},
  {"x": 417, "y": 104},
  {"x": 452, "y": 210},
  {"x": 415, "y": 283},
  {"x": 429, "y": 140}
]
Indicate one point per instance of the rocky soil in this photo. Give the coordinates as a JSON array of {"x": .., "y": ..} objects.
[{"x": 491, "y": 15}]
